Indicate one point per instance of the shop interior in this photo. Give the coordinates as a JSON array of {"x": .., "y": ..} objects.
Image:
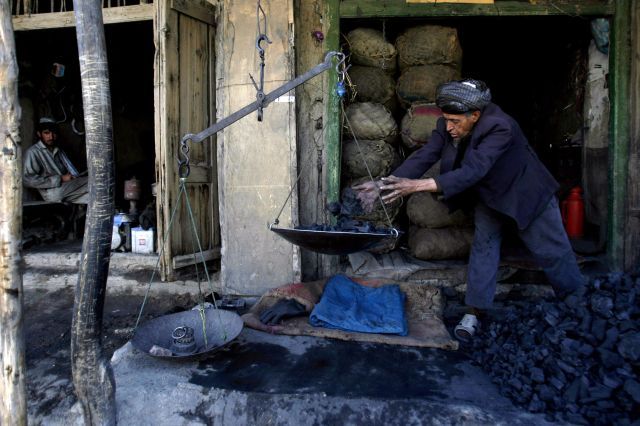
[
  {"x": 537, "y": 68},
  {"x": 49, "y": 85}
]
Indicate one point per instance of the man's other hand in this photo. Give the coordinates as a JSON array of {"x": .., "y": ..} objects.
[
  {"x": 368, "y": 186},
  {"x": 67, "y": 177},
  {"x": 367, "y": 194},
  {"x": 396, "y": 187}
]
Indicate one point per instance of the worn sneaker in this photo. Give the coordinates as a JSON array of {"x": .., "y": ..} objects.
[{"x": 466, "y": 328}]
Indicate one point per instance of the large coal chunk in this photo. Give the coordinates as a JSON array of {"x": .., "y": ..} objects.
[{"x": 629, "y": 346}]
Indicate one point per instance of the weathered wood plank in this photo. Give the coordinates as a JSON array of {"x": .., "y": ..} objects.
[
  {"x": 113, "y": 15},
  {"x": 399, "y": 8},
  {"x": 214, "y": 211},
  {"x": 310, "y": 120},
  {"x": 200, "y": 173},
  {"x": 451, "y": 1},
  {"x": 189, "y": 259},
  {"x": 620, "y": 51},
  {"x": 333, "y": 124},
  {"x": 203, "y": 12},
  {"x": 194, "y": 102},
  {"x": 13, "y": 400},
  {"x": 332, "y": 115},
  {"x": 167, "y": 83}
]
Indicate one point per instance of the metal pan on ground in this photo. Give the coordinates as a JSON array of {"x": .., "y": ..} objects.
[
  {"x": 181, "y": 334},
  {"x": 333, "y": 242}
]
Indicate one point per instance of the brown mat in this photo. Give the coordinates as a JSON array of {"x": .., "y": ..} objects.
[{"x": 423, "y": 308}]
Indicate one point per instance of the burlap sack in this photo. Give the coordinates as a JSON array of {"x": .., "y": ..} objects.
[
  {"x": 425, "y": 211},
  {"x": 418, "y": 84},
  {"x": 418, "y": 124},
  {"x": 368, "y": 47},
  {"x": 367, "y": 120},
  {"x": 442, "y": 243},
  {"x": 372, "y": 84},
  {"x": 429, "y": 44},
  {"x": 379, "y": 156}
]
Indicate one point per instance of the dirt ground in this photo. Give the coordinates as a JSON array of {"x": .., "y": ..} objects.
[{"x": 49, "y": 286}]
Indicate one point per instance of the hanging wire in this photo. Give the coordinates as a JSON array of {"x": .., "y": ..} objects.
[
  {"x": 341, "y": 68},
  {"x": 302, "y": 167},
  {"x": 364, "y": 160},
  {"x": 262, "y": 30},
  {"x": 206, "y": 270},
  {"x": 183, "y": 191},
  {"x": 157, "y": 267},
  {"x": 341, "y": 71}
]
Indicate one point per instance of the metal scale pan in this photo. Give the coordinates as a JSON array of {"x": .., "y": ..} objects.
[
  {"x": 333, "y": 242},
  {"x": 222, "y": 327}
]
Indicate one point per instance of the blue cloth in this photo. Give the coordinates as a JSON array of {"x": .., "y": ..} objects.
[{"x": 347, "y": 305}]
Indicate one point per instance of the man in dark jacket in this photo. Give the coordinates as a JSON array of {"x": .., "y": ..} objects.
[{"x": 487, "y": 162}]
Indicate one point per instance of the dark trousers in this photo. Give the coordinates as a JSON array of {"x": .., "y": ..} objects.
[{"x": 545, "y": 237}]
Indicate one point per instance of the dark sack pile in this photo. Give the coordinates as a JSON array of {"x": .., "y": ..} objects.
[{"x": 577, "y": 360}]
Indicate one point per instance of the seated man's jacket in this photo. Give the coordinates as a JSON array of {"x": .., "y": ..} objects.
[
  {"x": 499, "y": 168},
  {"x": 43, "y": 169}
]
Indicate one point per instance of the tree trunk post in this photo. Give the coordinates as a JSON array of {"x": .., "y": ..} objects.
[
  {"x": 92, "y": 373},
  {"x": 13, "y": 401}
]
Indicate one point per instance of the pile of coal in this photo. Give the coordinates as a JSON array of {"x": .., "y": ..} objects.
[
  {"x": 576, "y": 360},
  {"x": 343, "y": 212},
  {"x": 348, "y": 225}
]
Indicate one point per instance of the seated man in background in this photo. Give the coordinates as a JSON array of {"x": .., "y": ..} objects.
[{"x": 48, "y": 169}]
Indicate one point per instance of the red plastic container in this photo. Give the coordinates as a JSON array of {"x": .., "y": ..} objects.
[{"x": 573, "y": 213}]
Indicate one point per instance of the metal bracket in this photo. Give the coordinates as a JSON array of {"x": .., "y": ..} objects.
[{"x": 260, "y": 87}]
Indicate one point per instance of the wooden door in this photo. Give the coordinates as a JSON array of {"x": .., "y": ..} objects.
[{"x": 185, "y": 103}]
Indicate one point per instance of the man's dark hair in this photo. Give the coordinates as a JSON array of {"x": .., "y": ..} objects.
[{"x": 462, "y": 96}]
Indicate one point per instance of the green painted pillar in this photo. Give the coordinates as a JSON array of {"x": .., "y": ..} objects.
[
  {"x": 619, "y": 137},
  {"x": 332, "y": 114}
]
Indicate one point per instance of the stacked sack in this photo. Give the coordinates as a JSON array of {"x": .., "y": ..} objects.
[
  {"x": 397, "y": 80},
  {"x": 428, "y": 56},
  {"x": 370, "y": 153},
  {"x": 435, "y": 233},
  {"x": 371, "y": 131}
]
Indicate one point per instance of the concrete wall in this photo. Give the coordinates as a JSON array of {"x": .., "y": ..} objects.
[{"x": 256, "y": 160}]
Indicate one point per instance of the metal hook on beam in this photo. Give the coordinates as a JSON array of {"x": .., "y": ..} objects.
[
  {"x": 260, "y": 39},
  {"x": 262, "y": 36}
]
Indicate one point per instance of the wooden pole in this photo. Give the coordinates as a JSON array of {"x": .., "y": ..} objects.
[
  {"x": 13, "y": 402},
  {"x": 92, "y": 373}
]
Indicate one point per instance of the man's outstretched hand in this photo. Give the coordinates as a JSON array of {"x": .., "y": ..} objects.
[
  {"x": 396, "y": 187},
  {"x": 392, "y": 188}
]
